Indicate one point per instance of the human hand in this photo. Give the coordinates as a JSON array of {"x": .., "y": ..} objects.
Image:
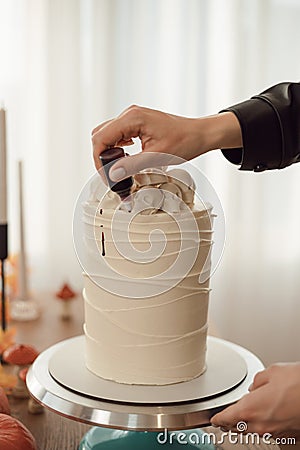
[
  {"x": 160, "y": 133},
  {"x": 272, "y": 405}
]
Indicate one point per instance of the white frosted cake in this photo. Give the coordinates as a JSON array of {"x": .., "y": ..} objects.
[{"x": 147, "y": 291}]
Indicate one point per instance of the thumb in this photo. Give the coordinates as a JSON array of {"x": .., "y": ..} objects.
[
  {"x": 130, "y": 165},
  {"x": 260, "y": 379}
]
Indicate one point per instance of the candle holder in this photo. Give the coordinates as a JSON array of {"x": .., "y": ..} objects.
[
  {"x": 3, "y": 257},
  {"x": 23, "y": 308},
  {"x": 3, "y": 214}
]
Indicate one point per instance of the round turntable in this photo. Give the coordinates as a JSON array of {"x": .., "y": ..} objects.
[{"x": 134, "y": 416}]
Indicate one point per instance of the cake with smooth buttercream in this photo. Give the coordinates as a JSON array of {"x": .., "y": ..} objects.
[{"x": 147, "y": 291}]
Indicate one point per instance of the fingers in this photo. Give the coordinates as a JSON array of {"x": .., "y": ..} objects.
[
  {"x": 120, "y": 143},
  {"x": 241, "y": 411},
  {"x": 250, "y": 410},
  {"x": 270, "y": 407},
  {"x": 260, "y": 379},
  {"x": 228, "y": 418},
  {"x": 118, "y": 131},
  {"x": 131, "y": 165},
  {"x": 106, "y": 136},
  {"x": 94, "y": 131}
]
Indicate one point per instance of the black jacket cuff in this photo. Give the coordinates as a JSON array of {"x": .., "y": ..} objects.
[
  {"x": 261, "y": 134},
  {"x": 270, "y": 124}
]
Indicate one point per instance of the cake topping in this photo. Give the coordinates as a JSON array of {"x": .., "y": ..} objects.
[
  {"x": 171, "y": 187},
  {"x": 150, "y": 177},
  {"x": 154, "y": 190},
  {"x": 182, "y": 179},
  {"x": 172, "y": 202},
  {"x": 176, "y": 185},
  {"x": 111, "y": 200},
  {"x": 147, "y": 200}
]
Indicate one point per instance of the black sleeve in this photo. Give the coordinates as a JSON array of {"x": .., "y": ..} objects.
[{"x": 270, "y": 124}]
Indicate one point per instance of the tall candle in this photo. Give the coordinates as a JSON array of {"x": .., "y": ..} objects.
[
  {"x": 3, "y": 178},
  {"x": 23, "y": 288}
]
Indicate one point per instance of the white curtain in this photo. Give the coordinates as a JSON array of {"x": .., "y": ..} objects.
[{"x": 66, "y": 65}]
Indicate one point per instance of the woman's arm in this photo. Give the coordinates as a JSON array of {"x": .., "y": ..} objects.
[
  {"x": 258, "y": 134},
  {"x": 163, "y": 133}
]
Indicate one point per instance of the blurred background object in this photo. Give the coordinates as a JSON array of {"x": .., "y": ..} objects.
[
  {"x": 22, "y": 307},
  {"x": 65, "y": 295},
  {"x": 67, "y": 65}
]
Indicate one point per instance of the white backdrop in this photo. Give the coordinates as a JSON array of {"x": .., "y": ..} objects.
[{"x": 66, "y": 65}]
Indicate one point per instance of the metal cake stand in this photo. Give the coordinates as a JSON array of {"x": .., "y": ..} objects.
[{"x": 53, "y": 382}]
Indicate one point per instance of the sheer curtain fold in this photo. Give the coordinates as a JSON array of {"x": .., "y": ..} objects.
[{"x": 68, "y": 65}]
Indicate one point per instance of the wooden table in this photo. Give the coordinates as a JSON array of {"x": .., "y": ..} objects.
[{"x": 53, "y": 432}]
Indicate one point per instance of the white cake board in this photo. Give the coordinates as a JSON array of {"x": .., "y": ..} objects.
[{"x": 226, "y": 368}]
